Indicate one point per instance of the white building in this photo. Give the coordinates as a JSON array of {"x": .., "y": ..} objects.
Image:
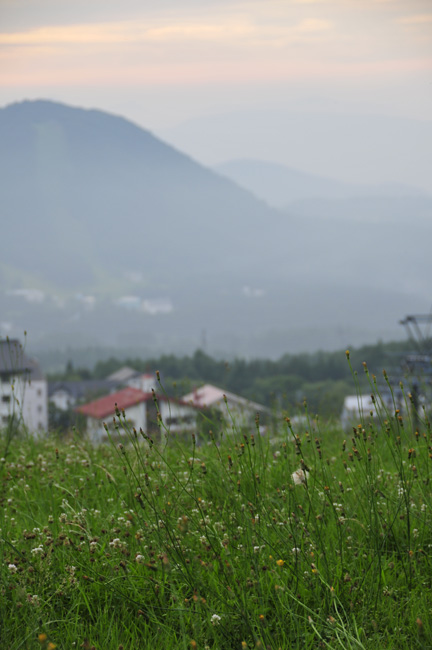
[
  {"x": 23, "y": 389},
  {"x": 140, "y": 413},
  {"x": 67, "y": 394},
  {"x": 358, "y": 408},
  {"x": 232, "y": 407}
]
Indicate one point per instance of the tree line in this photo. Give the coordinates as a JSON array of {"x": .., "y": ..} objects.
[{"x": 322, "y": 378}]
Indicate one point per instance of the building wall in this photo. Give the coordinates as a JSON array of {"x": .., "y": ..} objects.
[
  {"x": 62, "y": 400},
  {"x": 35, "y": 405},
  {"x": 237, "y": 413},
  {"x": 27, "y": 400},
  {"x": 145, "y": 383},
  {"x": 135, "y": 415},
  {"x": 8, "y": 404},
  {"x": 177, "y": 417}
]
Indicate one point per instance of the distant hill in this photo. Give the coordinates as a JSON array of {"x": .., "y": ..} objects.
[
  {"x": 280, "y": 185},
  {"x": 347, "y": 146},
  {"x": 113, "y": 238},
  {"x": 81, "y": 187}
]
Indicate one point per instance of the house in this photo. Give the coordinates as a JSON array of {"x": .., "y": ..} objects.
[
  {"x": 123, "y": 375},
  {"x": 67, "y": 394},
  {"x": 357, "y": 408},
  {"x": 23, "y": 389},
  {"x": 127, "y": 376},
  {"x": 140, "y": 413},
  {"x": 231, "y": 406}
]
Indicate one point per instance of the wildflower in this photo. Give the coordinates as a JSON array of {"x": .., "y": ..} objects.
[
  {"x": 139, "y": 559},
  {"x": 295, "y": 550},
  {"x": 280, "y": 562},
  {"x": 215, "y": 619},
  {"x": 38, "y": 549},
  {"x": 12, "y": 568},
  {"x": 42, "y": 637},
  {"x": 300, "y": 477},
  {"x": 116, "y": 543}
]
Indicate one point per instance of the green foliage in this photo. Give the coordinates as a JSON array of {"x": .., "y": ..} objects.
[
  {"x": 303, "y": 540},
  {"x": 323, "y": 378}
]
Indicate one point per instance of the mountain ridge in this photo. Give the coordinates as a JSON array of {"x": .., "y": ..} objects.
[{"x": 130, "y": 241}]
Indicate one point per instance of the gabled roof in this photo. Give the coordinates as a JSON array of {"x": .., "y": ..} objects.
[
  {"x": 125, "y": 398},
  {"x": 104, "y": 406},
  {"x": 123, "y": 374},
  {"x": 209, "y": 395},
  {"x": 83, "y": 388},
  {"x": 13, "y": 360}
]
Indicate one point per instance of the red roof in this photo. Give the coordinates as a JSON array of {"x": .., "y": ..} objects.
[
  {"x": 105, "y": 406},
  {"x": 124, "y": 399}
]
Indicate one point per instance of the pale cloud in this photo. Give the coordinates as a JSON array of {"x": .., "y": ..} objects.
[
  {"x": 69, "y": 34},
  {"x": 233, "y": 42},
  {"x": 136, "y": 31},
  {"x": 416, "y": 19},
  {"x": 313, "y": 25}
]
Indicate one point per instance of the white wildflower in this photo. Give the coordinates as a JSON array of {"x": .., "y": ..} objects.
[
  {"x": 116, "y": 543},
  {"x": 299, "y": 477},
  {"x": 12, "y": 568},
  {"x": 37, "y": 550},
  {"x": 215, "y": 619}
]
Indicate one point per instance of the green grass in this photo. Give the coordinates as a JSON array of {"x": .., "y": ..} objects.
[{"x": 172, "y": 545}]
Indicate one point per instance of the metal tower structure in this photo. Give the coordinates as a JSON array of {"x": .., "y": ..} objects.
[{"x": 419, "y": 363}]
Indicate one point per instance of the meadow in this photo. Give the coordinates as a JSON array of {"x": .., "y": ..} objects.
[{"x": 306, "y": 537}]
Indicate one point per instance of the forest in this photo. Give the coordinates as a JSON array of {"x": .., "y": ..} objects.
[{"x": 322, "y": 378}]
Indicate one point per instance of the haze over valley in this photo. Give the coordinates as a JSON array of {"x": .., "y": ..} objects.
[{"x": 115, "y": 238}]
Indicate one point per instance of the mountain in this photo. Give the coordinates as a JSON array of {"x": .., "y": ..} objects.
[
  {"x": 112, "y": 237},
  {"x": 280, "y": 185},
  {"x": 353, "y": 148},
  {"x": 97, "y": 187}
]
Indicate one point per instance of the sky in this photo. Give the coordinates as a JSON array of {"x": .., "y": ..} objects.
[{"x": 170, "y": 63}]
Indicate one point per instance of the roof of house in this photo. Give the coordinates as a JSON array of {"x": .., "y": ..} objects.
[
  {"x": 123, "y": 374},
  {"x": 209, "y": 395},
  {"x": 125, "y": 398},
  {"x": 83, "y": 388},
  {"x": 13, "y": 360}
]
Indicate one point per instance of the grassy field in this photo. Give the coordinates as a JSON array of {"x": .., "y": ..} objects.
[{"x": 309, "y": 539}]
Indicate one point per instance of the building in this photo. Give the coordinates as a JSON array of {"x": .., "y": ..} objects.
[
  {"x": 23, "y": 389},
  {"x": 127, "y": 376},
  {"x": 360, "y": 408},
  {"x": 67, "y": 394},
  {"x": 231, "y": 406},
  {"x": 140, "y": 413}
]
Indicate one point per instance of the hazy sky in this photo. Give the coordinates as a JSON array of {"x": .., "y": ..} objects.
[{"x": 165, "y": 62}]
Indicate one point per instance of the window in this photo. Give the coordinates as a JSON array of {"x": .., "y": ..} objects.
[
  {"x": 6, "y": 399},
  {"x": 39, "y": 409},
  {"x": 39, "y": 392}
]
